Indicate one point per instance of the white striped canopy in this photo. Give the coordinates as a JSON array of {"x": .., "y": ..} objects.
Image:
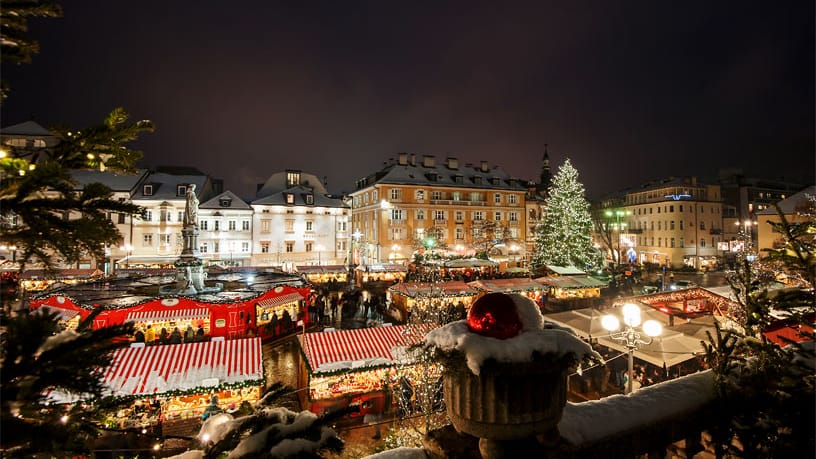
[
  {"x": 169, "y": 314},
  {"x": 360, "y": 348},
  {"x": 279, "y": 300},
  {"x": 156, "y": 369}
]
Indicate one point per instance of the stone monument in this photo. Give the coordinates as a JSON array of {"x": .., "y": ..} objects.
[{"x": 190, "y": 272}]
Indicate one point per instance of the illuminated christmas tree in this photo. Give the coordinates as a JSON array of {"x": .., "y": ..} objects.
[{"x": 564, "y": 236}]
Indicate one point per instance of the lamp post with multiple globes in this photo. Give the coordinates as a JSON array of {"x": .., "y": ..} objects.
[{"x": 631, "y": 336}]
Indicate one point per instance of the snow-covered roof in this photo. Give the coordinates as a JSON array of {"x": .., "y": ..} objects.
[
  {"x": 114, "y": 181},
  {"x": 225, "y": 200}
]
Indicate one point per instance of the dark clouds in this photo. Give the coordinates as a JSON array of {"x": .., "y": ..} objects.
[{"x": 629, "y": 91}]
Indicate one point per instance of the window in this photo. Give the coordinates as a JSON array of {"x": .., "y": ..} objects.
[
  {"x": 245, "y": 247},
  {"x": 497, "y": 198},
  {"x": 477, "y": 180},
  {"x": 419, "y": 195},
  {"x": 290, "y": 198},
  {"x": 436, "y": 195},
  {"x": 341, "y": 245},
  {"x": 342, "y": 226},
  {"x": 245, "y": 225},
  {"x": 373, "y": 196},
  {"x": 682, "y": 242},
  {"x": 513, "y": 216},
  {"x": 497, "y": 216},
  {"x": 396, "y": 194},
  {"x": 165, "y": 239},
  {"x": 476, "y": 197},
  {"x": 165, "y": 215},
  {"x": 204, "y": 225},
  {"x": 478, "y": 215},
  {"x": 148, "y": 215},
  {"x": 203, "y": 247},
  {"x": 514, "y": 233},
  {"x": 396, "y": 234},
  {"x": 659, "y": 226},
  {"x": 420, "y": 214},
  {"x": 672, "y": 227},
  {"x": 231, "y": 225},
  {"x": 309, "y": 225},
  {"x": 216, "y": 225},
  {"x": 308, "y": 246},
  {"x": 681, "y": 224},
  {"x": 121, "y": 219},
  {"x": 460, "y": 233},
  {"x": 681, "y": 207},
  {"x": 702, "y": 242},
  {"x": 702, "y": 225},
  {"x": 439, "y": 215},
  {"x": 292, "y": 178},
  {"x": 147, "y": 190},
  {"x": 659, "y": 240},
  {"x": 147, "y": 240},
  {"x": 672, "y": 242},
  {"x": 658, "y": 209},
  {"x": 456, "y": 196},
  {"x": 458, "y": 179},
  {"x": 289, "y": 226},
  {"x": 396, "y": 214},
  {"x": 671, "y": 208},
  {"x": 181, "y": 190},
  {"x": 225, "y": 202},
  {"x": 651, "y": 224},
  {"x": 180, "y": 216},
  {"x": 290, "y": 247},
  {"x": 460, "y": 216},
  {"x": 265, "y": 226},
  {"x": 309, "y": 199},
  {"x": 512, "y": 199},
  {"x": 216, "y": 248},
  {"x": 265, "y": 247}
]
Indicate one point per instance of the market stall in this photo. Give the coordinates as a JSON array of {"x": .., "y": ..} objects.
[
  {"x": 182, "y": 379},
  {"x": 420, "y": 297},
  {"x": 570, "y": 291},
  {"x": 34, "y": 280},
  {"x": 279, "y": 314},
  {"x": 324, "y": 274},
  {"x": 386, "y": 272},
  {"x": 68, "y": 315},
  {"x": 345, "y": 367},
  {"x": 521, "y": 285}
]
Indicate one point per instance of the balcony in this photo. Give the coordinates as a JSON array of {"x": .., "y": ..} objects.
[{"x": 440, "y": 222}]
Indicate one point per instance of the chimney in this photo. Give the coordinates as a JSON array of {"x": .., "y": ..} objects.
[
  {"x": 413, "y": 159},
  {"x": 484, "y": 167},
  {"x": 452, "y": 163},
  {"x": 403, "y": 159},
  {"x": 428, "y": 161}
]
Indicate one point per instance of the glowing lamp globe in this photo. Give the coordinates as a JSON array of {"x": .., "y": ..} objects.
[
  {"x": 494, "y": 315},
  {"x": 652, "y": 328}
]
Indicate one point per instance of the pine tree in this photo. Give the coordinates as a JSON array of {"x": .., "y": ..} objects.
[{"x": 564, "y": 236}]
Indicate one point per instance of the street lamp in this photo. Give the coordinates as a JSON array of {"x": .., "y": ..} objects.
[
  {"x": 128, "y": 249},
  {"x": 319, "y": 247},
  {"x": 618, "y": 214},
  {"x": 630, "y": 336}
]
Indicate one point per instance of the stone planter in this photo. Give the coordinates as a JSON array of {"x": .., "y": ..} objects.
[{"x": 508, "y": 405}]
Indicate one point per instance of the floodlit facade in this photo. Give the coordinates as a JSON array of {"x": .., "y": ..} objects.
[
  {"x": 399, "y": 209},
  {"x": 675, "y": 222},
  {"x": 296, "y": 222},
  {"x": 225, "y": 230}
]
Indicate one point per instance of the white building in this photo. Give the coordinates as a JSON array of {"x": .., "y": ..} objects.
[
  {"x": 225, "y": 230},
  {"x": 296, "y": 222}
]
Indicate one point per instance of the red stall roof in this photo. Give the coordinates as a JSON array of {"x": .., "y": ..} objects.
[
  {"x": 279, "y": 300},
  {"x": 169, "y": 314},
  {"x": 158, "y": 369},
  {"x": 359, "y": 348}
]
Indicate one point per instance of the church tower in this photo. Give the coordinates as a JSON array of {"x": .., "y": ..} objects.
[{"x": 545, "y": 180}]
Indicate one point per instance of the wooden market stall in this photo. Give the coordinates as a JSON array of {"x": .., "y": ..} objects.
[
  {"x": 325, "y": 274},
  {"x": 521, "y": 285},
  {"x": 386, "y": 272},
  {"x": 182, "y": 379},
  {"x": 358, "y": 366},
  {"x": 418, "y": 297},
  {"x": 35, "y": 280},
  {"x": 571, "y": 291}
]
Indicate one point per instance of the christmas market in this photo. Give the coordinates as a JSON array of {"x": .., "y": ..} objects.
[
  {"x": 232, "y": 314},
  {"x": 341, "y": 368},
  {"x": 324, "y": 274}
]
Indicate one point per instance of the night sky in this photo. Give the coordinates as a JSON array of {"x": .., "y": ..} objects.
[{"x": 629, "y": 91}]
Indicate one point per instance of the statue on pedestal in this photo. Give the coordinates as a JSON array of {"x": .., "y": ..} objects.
[{"x": 191, "y": 207}]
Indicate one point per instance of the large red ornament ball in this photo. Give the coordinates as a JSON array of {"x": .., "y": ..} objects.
[{"x": 494, "y": 315}]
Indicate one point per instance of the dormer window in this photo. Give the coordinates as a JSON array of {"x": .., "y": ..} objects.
[
  {"x": 147, "y": 190},
  {"x": 309, "y": 199},
  {"x": 181, "y": 190},
  {"x": 495, "y": 181},
  {"x": 458, "y": 178},
  {"x": 477, "y": 180},
  {"x": 292, "y": 178},
  {"x": 290, "y": 198},
  {"x": 225, "y": 202}
]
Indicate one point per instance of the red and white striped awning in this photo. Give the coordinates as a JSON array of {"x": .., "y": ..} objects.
[
  {"x": 63, "y": 315},
  {"x": 359, "y": 348},
  {"x": 279, "y": 300},
  {"x": 158, "y": 369},
  {"x": 170, "y": 314}
]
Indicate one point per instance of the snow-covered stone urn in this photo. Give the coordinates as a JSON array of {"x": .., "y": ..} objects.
[{"x": 505, "y": 377}]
